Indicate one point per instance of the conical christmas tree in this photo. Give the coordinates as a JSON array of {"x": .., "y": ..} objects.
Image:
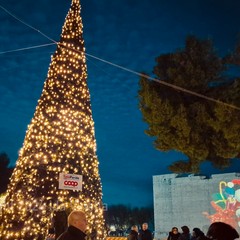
[{"x": 59, "y": 139}]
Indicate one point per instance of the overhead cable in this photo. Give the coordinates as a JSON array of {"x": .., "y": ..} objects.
[{"x": 116, "y": 65}]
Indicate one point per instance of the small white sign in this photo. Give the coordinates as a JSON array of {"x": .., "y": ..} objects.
[{"x": 70, "y": 181}]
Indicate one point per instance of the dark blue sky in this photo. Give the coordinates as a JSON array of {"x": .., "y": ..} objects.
[{"x": 130, "y": 33}]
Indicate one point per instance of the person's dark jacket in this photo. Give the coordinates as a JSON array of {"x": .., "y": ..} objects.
[
  {"x": 173, "y": 236},
  {"x": 145, "y": 235},
  {"x": 133, "y": 235},
  {"x": 199, "y": 235},
  {"x": 185, "y": 235},
  {"x": 72, "y": 233}
]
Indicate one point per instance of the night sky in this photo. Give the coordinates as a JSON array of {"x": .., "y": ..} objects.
[{"x": 129, "y": 33}]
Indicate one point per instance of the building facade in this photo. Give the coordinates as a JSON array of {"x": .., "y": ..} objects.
[{"x": 195, "y": 201}]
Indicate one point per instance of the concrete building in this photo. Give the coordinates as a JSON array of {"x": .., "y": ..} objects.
[{"x": 195, "y": 201}]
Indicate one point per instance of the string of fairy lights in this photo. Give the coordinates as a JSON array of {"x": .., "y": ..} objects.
[
  {"x": 177, "y": 88},
  {"x": 59, "y": 139}
]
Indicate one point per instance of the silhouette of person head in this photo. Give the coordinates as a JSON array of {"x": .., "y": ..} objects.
[{"x": 222, "y": 231}]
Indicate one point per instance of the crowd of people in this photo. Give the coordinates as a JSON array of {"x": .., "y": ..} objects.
[
  {"x": 77, "y": 225},
  {"x": 216, "y": 231},
  {"x": 143, "y": 234}
]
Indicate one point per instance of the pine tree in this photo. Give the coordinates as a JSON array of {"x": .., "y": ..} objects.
[
  {"x": 60, "y": 138},
  {"x": 198, "y": 128}
]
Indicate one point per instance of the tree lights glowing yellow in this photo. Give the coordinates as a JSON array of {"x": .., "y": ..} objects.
[{"x": 60, "y": 138}]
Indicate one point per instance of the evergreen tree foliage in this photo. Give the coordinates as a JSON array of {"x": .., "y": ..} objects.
[
  {"x": 201, "y": 129},
  {"x": 5, "y": 172}
]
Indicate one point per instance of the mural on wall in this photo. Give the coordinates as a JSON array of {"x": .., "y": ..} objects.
[{"x": 226, "y": 203}]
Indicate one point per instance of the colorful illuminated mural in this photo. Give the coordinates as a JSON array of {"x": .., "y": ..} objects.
[
  {"x": 226, "y": 203},
  {"x": 195, "y": 201}
]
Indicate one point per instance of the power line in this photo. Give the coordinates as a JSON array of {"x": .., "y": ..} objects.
[
  {"x": 27, "y": 48},
  {"x": 117, "y": 66},
  {"x": 166, "y": 84}
]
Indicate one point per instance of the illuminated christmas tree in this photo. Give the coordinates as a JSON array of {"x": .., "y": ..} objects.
[{"x": 59, "y": 139}]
